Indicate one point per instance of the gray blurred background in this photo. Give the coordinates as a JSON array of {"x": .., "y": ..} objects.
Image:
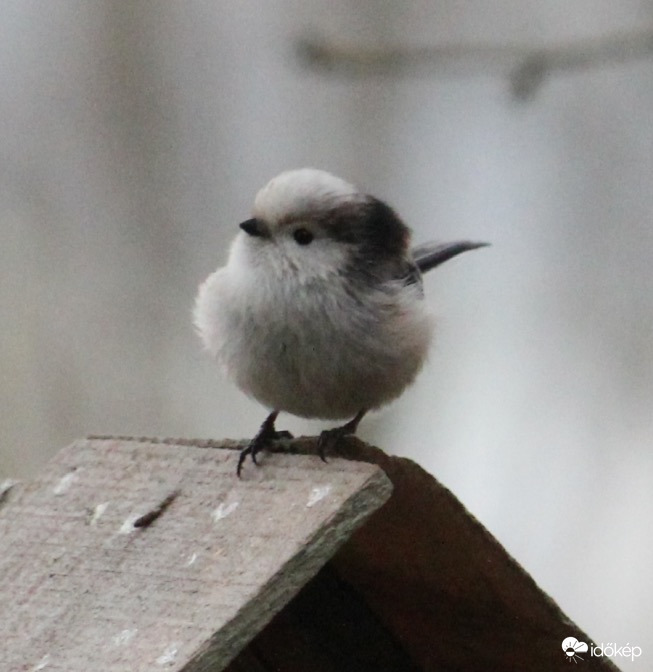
[{"x": 133, "y": 137}]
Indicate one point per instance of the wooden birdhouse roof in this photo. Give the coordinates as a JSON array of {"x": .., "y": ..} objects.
[{"x": 131, "y": 555}]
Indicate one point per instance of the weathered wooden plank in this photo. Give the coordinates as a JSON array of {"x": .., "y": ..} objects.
[{"x": 82, "y": 588}]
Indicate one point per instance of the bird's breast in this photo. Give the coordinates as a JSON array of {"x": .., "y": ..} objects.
[{"x": 320, "y": 349}]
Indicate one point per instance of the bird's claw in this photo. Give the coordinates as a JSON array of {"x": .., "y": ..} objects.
[
  {"x": 266, "y": 436},
  {"x": 330, "y": 438},
  {"x": 256, "y": 445},
  {"x": 328, "y": 441}
]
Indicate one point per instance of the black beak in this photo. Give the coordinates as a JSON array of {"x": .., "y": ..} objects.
[
  {"x": 253, "y": 227},
  {"x": 429, "y": 256}
]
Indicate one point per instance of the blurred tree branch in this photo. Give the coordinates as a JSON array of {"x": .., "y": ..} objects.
[{"x": 526, "y": 66}]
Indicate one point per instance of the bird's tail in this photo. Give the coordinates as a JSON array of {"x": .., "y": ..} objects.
[{"x": 430, "y": 255}]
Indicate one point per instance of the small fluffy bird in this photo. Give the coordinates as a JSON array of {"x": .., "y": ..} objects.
[{"x": 320, "y": 310}]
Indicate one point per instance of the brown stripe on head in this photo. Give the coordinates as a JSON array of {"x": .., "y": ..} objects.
[{"x": 372, "y": 226}]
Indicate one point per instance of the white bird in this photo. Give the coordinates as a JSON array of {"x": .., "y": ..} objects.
[{"x": 319, "y": 311}]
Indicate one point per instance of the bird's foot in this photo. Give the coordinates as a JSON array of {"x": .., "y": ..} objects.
[
  {"x": 266, "y": 436},
  {"x": 330, "y": 438}
]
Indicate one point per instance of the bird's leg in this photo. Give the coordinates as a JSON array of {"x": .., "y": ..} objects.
[
  {"x": 266, "y": 435},
  {"x": 330, "y": 438}
]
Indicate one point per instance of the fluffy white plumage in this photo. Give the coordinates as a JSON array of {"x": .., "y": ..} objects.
[
  {"x": 303, "y": 192},
  {"x": 298, "y": 326}
]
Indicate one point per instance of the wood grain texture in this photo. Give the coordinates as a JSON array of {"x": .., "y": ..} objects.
[{"x": 82, "y": 589}]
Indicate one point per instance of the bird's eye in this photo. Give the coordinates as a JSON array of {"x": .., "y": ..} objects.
[{"x": 302, "y": 236}]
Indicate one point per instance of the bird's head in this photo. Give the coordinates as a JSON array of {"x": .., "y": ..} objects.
[{"x": 311, "y": 224}]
